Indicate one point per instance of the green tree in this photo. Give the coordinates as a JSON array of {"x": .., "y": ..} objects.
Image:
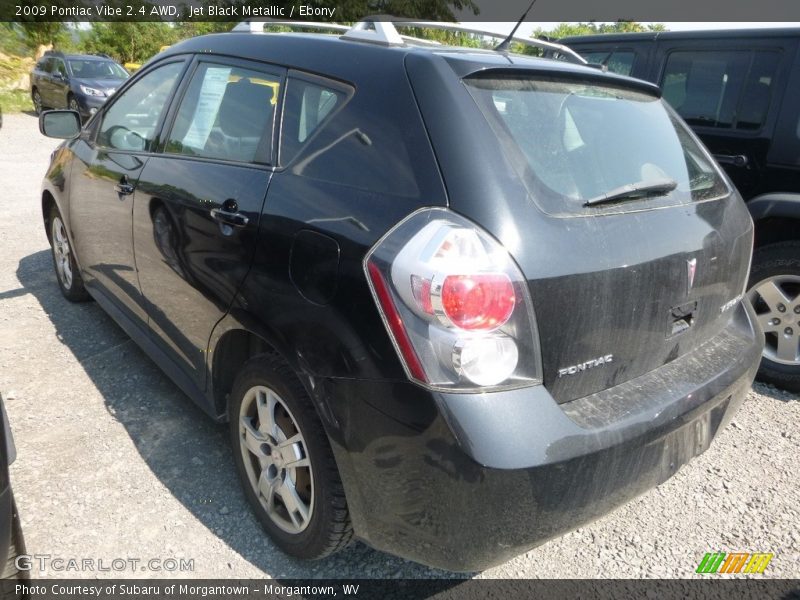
[
  {"x": 429, "y": 10},
  {"x": 447, "y": 38},
  {"x": 11, "y": 39},
  {"x": 35, "y": 34},
  {"x": 572, "y": 29},
  {"x": 188, "y": 29},
  {"x": 129, "y": 41}
]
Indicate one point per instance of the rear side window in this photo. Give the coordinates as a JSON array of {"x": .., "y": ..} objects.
[
  {"x": 45, "y": 65},
  {"x": 617, "y": 61},
  {"x": 309, "y": 104},
  {"x": 328, "y": 139},
  {"x": 574, "y": 142},
  {"x": 722, "y": 89},
  {"x": 227, "y": 113},
  {"x": 59, "y": 67}
]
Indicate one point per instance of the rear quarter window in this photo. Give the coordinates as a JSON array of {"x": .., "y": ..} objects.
[
  {"x": 309, "y": 104},
  {"x": 327, "y": 137}
]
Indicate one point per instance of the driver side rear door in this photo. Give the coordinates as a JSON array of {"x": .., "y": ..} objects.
[{"x": 109, "y": 160}]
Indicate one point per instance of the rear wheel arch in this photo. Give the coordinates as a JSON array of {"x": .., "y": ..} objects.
[
  {"x": 776, "y": 229},
  {"x": 48, "y": 202},
  {"x": 776, "y": 217},
  {"x": 230, "y": 354}
]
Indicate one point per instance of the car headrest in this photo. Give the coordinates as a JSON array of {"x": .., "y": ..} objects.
[{"x": 245, "y": 109}]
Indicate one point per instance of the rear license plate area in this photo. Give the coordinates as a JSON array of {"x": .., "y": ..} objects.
[{"x": 694, "y": 438}]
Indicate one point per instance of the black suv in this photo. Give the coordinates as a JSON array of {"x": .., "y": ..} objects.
[
  {"x": 738, "y": 90},
  {"x": 79, "y": 82},
  {"x": 453, "y": 302}
]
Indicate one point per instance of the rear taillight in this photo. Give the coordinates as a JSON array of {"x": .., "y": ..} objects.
[
  {"x": 481, "y": 301},
  {"x": 455, "y": 304}
]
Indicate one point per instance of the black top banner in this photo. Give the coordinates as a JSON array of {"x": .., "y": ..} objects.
[{"x": 435, "y": 10}]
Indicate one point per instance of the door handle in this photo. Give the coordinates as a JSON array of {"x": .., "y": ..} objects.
[
  {"x": 225, "y": 217},
  {"x": 736, "y": 160},
  {"x": 123, "y": 188}
]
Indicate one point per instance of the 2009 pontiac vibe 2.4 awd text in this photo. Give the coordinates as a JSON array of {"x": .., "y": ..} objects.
[{"x": 453, "y": 302}]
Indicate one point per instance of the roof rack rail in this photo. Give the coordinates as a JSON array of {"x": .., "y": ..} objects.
[
  {"x": 258, "y": 25},
  {"x": 389, "y": 22},
  {"x": 382, "y": 29},
  {"x": 358, "y": 31}
]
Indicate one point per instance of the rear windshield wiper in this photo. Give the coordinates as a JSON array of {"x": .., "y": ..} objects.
[{"x": 632, "y": 191}]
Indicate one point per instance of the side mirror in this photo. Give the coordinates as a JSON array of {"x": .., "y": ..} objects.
[{"x": 61, "y": 124}]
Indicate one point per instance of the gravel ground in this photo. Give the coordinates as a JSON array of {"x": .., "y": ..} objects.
[{"x": 114, "y": 462}]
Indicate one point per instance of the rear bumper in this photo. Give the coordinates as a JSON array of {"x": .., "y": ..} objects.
[{"x": 464, "y": 482}]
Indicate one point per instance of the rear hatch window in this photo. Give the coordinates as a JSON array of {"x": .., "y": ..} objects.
[{"x": 587, "y": 148}]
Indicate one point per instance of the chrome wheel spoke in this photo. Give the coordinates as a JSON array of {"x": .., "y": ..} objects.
[
  {"x": 268, "y": 490},
  {"x": 293, "y": 452},
  {"x": 773, "y": 296},
  {"x": 299, "y": 463},
  {"x": 297, "y": 509},
  {"x": 266, "y": 404},
  {"x": 252, "y": 439},
  {"x": 787, "y": 345},
  {"x": 767, "y": 322}
]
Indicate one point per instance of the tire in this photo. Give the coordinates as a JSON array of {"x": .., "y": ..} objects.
[
  {"x": 774, "y": 290},
  {"x": 308, "y": 518},
  {"x": 67, "y": 273},
  {"x": 72, "y": 104},
  {"x": 36, "y": 97},
  {"x": 17, "y": 548}
]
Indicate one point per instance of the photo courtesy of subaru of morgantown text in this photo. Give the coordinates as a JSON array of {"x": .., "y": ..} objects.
[{"x": 452, "y": 302}]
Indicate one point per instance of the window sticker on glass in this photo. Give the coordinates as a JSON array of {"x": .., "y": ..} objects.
[{"x": 211, "y": 92}]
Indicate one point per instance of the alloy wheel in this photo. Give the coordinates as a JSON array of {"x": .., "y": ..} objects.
[
  {"x": 37, "y": 102},
  {"x": 276, "y": 459},
  {"x": 777, "y": 304},
  {"x": 61, "y": 252}
]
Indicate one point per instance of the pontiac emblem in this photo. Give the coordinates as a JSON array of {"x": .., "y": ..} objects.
[{"x": 691, "y": 269}]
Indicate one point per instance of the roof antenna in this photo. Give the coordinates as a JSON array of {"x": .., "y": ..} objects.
[{"x": 503, "y": 46}]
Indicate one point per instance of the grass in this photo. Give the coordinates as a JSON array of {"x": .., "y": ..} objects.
[
  {"x": 13, "y": 70},
  {"x": 15, "y": 101}
]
